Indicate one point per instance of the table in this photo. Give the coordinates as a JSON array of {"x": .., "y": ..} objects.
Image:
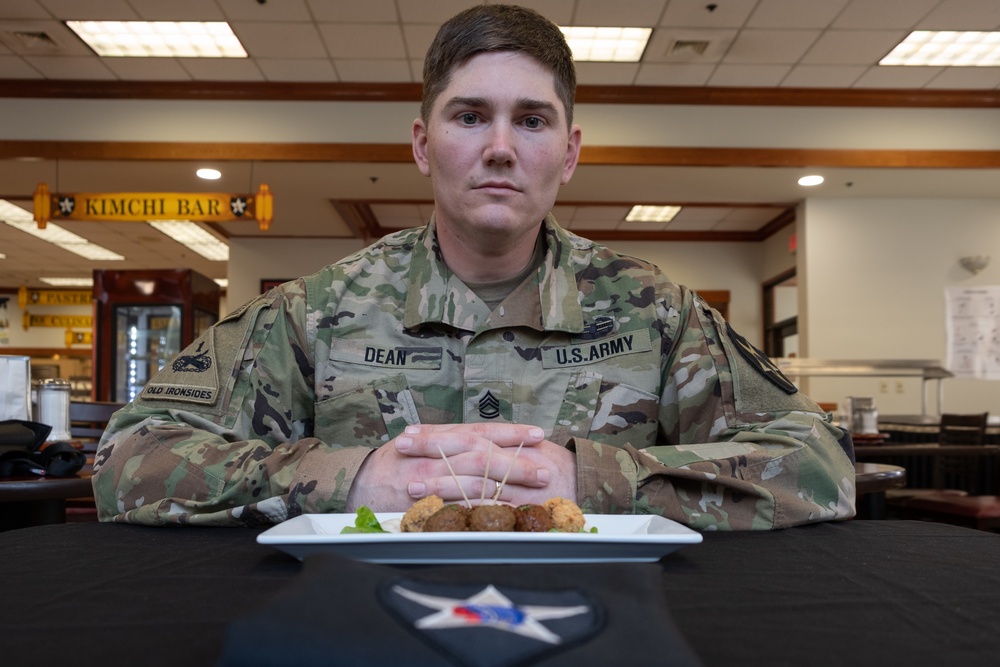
[
  {"x": 32, "y": 501},
  {"x": 847, "y": 593},
  {"x": 872, "y": 480},
  {"x": 919, "y": 461}
]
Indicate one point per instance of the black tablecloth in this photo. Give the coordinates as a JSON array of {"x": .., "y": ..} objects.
[{"x": 852, "y": 593}]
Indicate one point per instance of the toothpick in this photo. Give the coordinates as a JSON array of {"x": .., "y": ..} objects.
[
  {"x": 496, "y": 495},
  {"x": 455, "y": 477},
  {"x": 486, "y": 475}
]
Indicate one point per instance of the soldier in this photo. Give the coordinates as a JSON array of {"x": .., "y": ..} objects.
[{"x": 489, "y": 344}]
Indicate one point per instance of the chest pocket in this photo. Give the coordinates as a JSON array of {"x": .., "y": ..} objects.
[
  {"x": 612, "y": 413},
  {"x": 369, "y": 415}
]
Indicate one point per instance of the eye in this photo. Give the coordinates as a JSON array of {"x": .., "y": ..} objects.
[
  {"x": 469, "y": 118},
  {"x": 533, "y": 122}
]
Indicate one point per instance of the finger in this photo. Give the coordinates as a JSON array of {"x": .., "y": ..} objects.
[
  {"x": 502, "y": 434},
  {"x": 451, "y": 491}
]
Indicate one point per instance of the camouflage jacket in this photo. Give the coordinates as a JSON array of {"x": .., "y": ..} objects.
[{"x": 272, "y": 411}]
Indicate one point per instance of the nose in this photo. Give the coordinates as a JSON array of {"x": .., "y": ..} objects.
[{"x": 499, "y": 149}]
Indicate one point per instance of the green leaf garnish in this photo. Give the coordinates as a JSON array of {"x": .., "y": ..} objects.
[{"x": 365, "y": 522}]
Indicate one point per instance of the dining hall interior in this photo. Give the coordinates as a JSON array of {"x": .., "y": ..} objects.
[{"x": 837, "y": 205}]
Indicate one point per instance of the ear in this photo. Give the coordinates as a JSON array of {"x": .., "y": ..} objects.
[
  {"x": 420, "y": 147},
  {"x": 572, "y": 153}
]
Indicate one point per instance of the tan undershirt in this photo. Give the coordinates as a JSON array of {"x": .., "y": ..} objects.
[{"x": 493, "y": 293}]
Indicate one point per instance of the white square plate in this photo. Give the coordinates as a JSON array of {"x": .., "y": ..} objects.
[{"x": 619, "y": 538}]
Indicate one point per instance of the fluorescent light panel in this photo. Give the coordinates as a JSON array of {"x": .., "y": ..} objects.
[
  {"x": 946, "y": 48},
  {"x": 595, "y": 44},
  {"x": 652, "y": 213},
  {"x": 68, "y": 282},
  {"x": 159, "y": 39},
  {"x": 194, "y": 237},
  {"x": 18, "y": 218}
]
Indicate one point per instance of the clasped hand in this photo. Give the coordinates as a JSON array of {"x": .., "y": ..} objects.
[{"x": 464, "y": 461}]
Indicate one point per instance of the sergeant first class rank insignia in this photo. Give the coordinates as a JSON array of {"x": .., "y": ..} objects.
[{"x": 485, "y": 626}]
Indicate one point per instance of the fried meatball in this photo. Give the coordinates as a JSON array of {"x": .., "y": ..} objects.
[
  {"x": 492, "y": 518},
  {"x": 532, "y": 519},
  {"x": 415, "y": 517},
  {"x": 448, "y": 519},
  {"x": 566, "y": 516}
]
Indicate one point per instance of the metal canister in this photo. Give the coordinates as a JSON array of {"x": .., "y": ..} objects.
[{"x": 53, "y": 408}]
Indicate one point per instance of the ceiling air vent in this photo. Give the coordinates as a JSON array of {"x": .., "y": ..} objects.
[
  {"x": 33, "y": 40},
  {"x": 689, "y": 47}
]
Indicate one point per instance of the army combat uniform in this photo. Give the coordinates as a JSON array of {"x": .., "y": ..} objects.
[{"x": 271, "y": 412}]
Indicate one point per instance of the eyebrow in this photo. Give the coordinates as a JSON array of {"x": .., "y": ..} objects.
[{"x": 526, "y": 104}]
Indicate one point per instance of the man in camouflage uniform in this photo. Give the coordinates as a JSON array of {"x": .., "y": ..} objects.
[{"x": 489, "y": 345}]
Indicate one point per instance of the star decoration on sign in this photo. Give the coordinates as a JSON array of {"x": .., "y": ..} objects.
[
  {"x": 490, "y": 608},
  {"x": 238, "y": 205},
  {"x": 66, "y": 205}
]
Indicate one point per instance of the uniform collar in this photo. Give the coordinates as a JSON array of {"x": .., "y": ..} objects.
[{"x": 436, "y": 295}]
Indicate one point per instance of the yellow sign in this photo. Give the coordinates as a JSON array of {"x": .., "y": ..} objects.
[
  {"x": 79, "y": 337},
  {"x": 62, "y": 321},
  {"x": 45, "y": 297},
  {"x": 144, "y": 206}
]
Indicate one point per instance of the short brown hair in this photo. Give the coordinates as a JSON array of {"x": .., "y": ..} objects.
[{"x": 486, "y": 28}]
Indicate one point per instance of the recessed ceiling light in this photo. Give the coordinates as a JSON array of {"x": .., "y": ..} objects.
[
  {"x": 606, "y": 44},
  {"x": 652, "y": 213},
  {"x": 68, "y": 282},
  {"x": 159, "y": 39},
  {"x": 947, "y": 48},
  {"x": 809, "y": 181},
  {"x": 194, "y": 237},
  {"x": 209, "y": 174}
]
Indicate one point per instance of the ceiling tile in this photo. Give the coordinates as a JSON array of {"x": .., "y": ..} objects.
[
  {"x": 695, "y": 14},
  {"x": 18, "y": 36},
  {"x": 795, "y": 13},
  {"x": 277, "y": 39},
  {"x": 749, "y": 75},
  {"x": 606, "y": 74},
  {"x": 624, "y": 13},
  {"x": 297, "y": 69},
  {"x": 97, "y": 10},
  {"x": 437, "y": 12},
  {"x": 770, "y": 46},
  {"x": 736, "y": 226},
  {"x": 363, "y": 40},
  {"x": 418, "y": 39},
  {"x": 823, "y": 76},
  {"x": 13, "y": 67},
  {"x": 354, "y": 11},
  {"x": 57, "y": 67},
  {"x": 852, "y": 47},
  {"x": 249, "y": 10},
  {"x": 869, "y": 15},
  {"x": 177, "y": 10},
  {"x": 658, "y": 74},
  {"x": 897, "y": 77},
  {"x": 702, "y": 213},
  {"x": 676, "y": 225},
  {"x": 373, "y": 70},
  {"x": 558, "y": 11},
  {"x": 222, "y": 69},
  {"x": 963, "y": 15},
  {"x": 973, "y": 78},
  {"x": 21, "y": 9},
  {"x": 147, "y": 69}
]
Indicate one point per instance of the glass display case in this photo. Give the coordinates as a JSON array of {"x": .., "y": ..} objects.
[{"x": 142, "y": 320}]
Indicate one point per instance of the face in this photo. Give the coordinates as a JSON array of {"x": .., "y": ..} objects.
[{"x": 497, "y": 147}]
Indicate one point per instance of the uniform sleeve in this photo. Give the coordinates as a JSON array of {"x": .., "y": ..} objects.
[
  {"x": 739, "y": 448},
  {"x": 223, "y": 434}
]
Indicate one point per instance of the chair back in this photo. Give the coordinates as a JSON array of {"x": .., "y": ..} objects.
[
  {"x": 88, "y": 419},
  {"x": 963, "y": 429},
  {"x": 964, "y": 472}
]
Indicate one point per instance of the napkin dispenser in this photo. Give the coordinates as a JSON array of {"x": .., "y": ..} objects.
[{"x": 15, "y": 387}]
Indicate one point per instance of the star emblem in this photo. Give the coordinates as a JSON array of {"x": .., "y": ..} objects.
[
  {"x": 490, "y": 608},
  {"x": 66, "y": 205},
  {"x": 238, "y": 205}
]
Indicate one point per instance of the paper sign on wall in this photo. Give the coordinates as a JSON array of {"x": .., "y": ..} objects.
[{"x": 973, "y": 323}]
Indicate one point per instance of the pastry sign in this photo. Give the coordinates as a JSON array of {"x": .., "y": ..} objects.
[{"x": 145, "y": 206}]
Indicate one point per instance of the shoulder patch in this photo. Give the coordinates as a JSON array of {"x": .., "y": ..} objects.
[{"x": 760, "y": 362}]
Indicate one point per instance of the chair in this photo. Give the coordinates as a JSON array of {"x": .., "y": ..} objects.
[
  {"x": 959, "y": 505},
  {"x": 87, "y": 421}
]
